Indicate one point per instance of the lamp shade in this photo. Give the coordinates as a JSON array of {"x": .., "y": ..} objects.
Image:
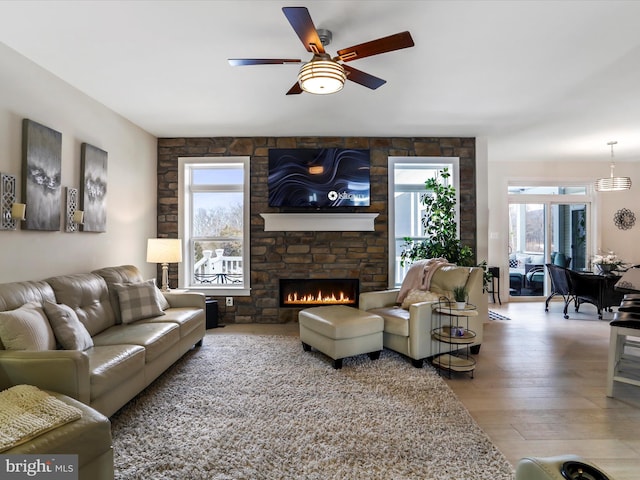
[
  {"x": 164, "y": 250},
  {"x": 322, "y": 76},
  {"x": 612, "y": 183}
]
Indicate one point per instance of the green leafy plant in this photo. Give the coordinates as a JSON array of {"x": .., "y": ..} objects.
[
  {"x": 460, "y": 293},
  {"x": 441, "y": 229}
]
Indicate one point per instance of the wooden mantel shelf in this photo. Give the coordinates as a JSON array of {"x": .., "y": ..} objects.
[{"x": 319, "y": 222}]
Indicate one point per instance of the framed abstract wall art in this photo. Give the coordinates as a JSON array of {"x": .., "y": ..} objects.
[
  {"x": 41, "y": 171},
  {"x": 93, "y": 188}
]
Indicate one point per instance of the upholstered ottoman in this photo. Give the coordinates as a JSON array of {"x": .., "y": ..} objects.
[
  {"x": 89, "y": 437},
  {"x": 561, "y": 467},
  {"x": 339, "y": 331}
]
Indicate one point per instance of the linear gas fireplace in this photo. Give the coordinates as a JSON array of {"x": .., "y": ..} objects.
[{"x": 296, "y": 292}]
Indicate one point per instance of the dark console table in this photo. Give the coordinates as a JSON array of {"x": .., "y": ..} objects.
[{"x": 495, "y": 283}]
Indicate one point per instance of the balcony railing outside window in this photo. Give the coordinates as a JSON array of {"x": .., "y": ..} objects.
[{"x": 216, "y": 269}]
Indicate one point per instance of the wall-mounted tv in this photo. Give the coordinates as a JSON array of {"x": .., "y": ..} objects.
[{"x": 319, "y": 178}]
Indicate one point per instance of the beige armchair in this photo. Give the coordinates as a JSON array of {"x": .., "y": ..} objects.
[{"x": 408, "y": 330}]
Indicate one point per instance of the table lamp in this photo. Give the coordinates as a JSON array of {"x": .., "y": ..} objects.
[{"x": 164, "y": 251}]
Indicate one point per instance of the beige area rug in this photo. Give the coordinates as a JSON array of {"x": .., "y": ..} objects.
[{"x": 258, "y": 407}]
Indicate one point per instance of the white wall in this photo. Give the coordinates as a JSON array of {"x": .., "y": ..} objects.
[
  {"x": 607, "y": 235},
  {"x": 28, "y": 91}
]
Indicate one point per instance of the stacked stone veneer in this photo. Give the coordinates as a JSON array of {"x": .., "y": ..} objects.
[{"x": 362, "y": 255}]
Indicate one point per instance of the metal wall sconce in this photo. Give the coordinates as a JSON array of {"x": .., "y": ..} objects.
[
  {"x": 73, "y": 217},
  {"x": 10, "y": 211}
]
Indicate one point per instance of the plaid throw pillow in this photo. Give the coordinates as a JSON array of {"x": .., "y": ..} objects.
[
  {"x": 164, "y": 303},
  {"x": 138, "y": 301},
  {"x": 513, "y": 263}
]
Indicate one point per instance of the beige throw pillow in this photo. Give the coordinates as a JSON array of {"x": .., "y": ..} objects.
[
  {"x": 67, "y": 327},
  {"x": 447, "y": 278},
  {"x": 138, "y": 301},
  {"x": 417, "y": 296},
  {"x": 26, "y": 328}
]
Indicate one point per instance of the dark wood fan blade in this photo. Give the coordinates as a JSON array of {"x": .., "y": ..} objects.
[
  {"x": 239, "y": 62},
  {"x": 375, "y": 47},
  {"x": 363, "y": 78},
  {"x": 295, "y": 90},
  {"x": 301, "y": 22}
]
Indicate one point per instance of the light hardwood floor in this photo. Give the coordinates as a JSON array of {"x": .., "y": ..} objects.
[{"x": 539, "y": 387}]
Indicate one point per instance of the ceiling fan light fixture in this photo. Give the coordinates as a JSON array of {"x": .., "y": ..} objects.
[
  {"x": 612, "y": 183},
  {"x": 322, "y": 76}
]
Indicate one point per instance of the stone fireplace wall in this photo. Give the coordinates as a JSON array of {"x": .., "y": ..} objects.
[{"x": 362, "y": 255}]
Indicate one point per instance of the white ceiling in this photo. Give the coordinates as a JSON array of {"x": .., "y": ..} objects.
[{"x": 541, "y": 80}]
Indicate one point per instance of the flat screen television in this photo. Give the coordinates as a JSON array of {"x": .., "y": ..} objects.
[{"x": 319, "y": 178}]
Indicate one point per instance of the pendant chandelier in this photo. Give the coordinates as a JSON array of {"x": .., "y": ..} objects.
[{"x": 611, "y": 183}]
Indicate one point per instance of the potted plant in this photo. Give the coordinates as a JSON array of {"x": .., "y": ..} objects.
[
  {"x": 605, "y": 264},
  {"x": 460, "y": 296},
  {"x": 441, "y": 229}
]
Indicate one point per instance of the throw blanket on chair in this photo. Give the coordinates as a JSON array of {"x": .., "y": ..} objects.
[
  {"x": 26, "y": 412},
  {"x": 419, "y": 276}
]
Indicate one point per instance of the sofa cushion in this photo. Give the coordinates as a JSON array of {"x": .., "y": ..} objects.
[
  {"x": 16, "y": 294},
  {"x": 537, "y": 259},
  {"x": 156, "y": 338},
  {"x": 522, "y": 259},
  {"x": 187, "y": 318},
  {"x": 417, "y": 296},
  {"x": 26, "y": 328},
  {"x": 138, "y": 300},
  {"x": 112, "y": 365},
  {"x": 396, "y": 320},
  {"x": 88, "y": 296},
  {"x": 68, "y": 329}
]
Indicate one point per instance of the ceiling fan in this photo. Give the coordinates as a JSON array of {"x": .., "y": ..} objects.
[{"x": 324, "y": 74}]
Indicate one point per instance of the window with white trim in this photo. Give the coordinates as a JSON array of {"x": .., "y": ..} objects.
[
  {"x": 214, "y": 224},
  {"x": 407, "y": 177}
]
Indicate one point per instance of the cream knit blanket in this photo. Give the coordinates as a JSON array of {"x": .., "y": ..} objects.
[
  {"x": 26, "y": 412},
  {"x": 419, "y": 276}
]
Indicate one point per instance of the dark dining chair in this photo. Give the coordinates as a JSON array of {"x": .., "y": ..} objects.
[
  {"x": 623, "y": 366},
  {"x": 559, "y": 286}
]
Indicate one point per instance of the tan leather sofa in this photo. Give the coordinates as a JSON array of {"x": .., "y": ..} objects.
[
  {"x": 408, "y": 330},
  {"x": 125, "y": 358}
]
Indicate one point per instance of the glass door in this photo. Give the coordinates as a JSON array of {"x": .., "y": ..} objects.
[
  {"x": 544, "y": 228},
  {"x": 527, "y": 251},
  {"x": 569, "y": 235}
]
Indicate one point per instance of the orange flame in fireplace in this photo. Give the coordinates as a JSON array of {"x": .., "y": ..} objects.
[{"x": 318, "y": 299}]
